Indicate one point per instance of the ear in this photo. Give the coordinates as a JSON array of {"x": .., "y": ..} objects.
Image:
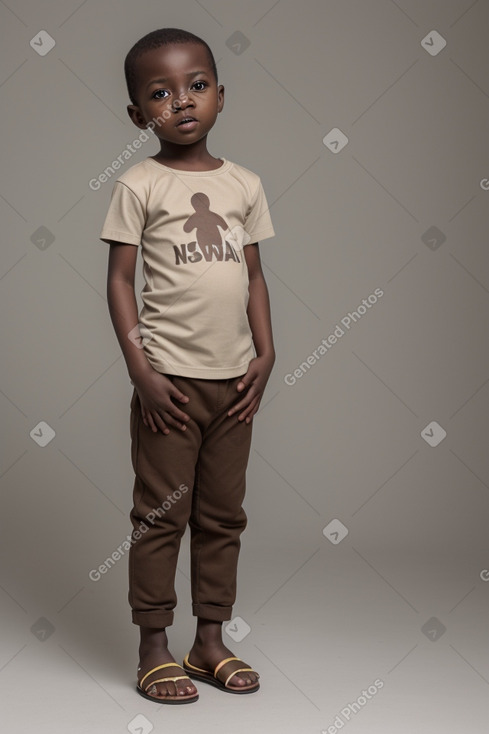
[
  {"x": 220, "y": 97},
  {"x": 136, "y": 116}
]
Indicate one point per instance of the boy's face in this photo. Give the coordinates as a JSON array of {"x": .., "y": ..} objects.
[{"x": 175, "y": 82}]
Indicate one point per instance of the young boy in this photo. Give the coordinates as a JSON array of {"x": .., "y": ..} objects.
[{"x": 190, "y": 357}]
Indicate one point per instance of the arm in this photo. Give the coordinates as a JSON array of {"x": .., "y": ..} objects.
[
  {"x": 155, "y": 390},
  {"x": 259, "y": 319}
]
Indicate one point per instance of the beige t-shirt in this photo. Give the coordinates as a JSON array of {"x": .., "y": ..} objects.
[{"x": 192, "y": 227}]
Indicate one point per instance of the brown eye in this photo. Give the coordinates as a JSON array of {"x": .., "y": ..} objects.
[{"x": 158, "y": 92}]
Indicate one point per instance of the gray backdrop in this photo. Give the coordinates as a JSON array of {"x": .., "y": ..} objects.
[{"x": 362, "y": 594}]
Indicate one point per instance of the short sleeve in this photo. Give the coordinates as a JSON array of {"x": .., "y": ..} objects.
[
  {"x": 258, "y": 223},
  {"x": 126, "y": 217}
]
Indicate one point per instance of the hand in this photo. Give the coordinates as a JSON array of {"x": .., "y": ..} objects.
[
  {"x": 254, "y": 383},
  {"x": 155, "y": 393}
]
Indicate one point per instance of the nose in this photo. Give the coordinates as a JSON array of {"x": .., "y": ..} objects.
[{"x": 181, "y": 102}]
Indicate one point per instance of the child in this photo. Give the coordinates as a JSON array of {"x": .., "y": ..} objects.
[{"x": 189, "y": 355}]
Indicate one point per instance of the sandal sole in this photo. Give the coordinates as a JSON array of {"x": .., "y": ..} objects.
[{"x": 168, "y": 699}]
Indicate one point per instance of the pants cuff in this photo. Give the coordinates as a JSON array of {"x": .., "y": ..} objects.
[
  {"x": 212, "y": 612},
  {"x": 153, "y": 619}
]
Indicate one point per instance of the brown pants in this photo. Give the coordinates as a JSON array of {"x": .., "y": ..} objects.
[{"x": 196, "y": 476}]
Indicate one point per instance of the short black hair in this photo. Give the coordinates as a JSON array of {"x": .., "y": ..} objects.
[{"x": 155, "y": 39}]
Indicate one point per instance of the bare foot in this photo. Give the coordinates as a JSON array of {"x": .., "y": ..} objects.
[
  {"x": 208, "y": 650},
  {"x": 153, "y": 651}
]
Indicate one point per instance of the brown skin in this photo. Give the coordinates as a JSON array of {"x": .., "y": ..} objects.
[{"x": 197, "y": 95}]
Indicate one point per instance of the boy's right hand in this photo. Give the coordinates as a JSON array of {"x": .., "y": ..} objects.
[{"x": 155, "y": 393}]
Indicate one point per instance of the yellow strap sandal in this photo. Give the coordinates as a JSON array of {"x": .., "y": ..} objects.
[
  {"x": 223, "y": 672},
  {"x": 151, "y": 685}
]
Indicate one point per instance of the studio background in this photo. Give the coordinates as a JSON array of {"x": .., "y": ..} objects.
[{"x": 364, "y": 563}]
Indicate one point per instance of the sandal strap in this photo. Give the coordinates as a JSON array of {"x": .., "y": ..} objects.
[
  {"x": 239, "y": 670},
  {"x": 228, "y": 667},
  {"x": 194, "y": 667},
  {"x": 223, "y": 662},
  {"x": 164, "y": 680},
  {"x": 160, "y": 667}
]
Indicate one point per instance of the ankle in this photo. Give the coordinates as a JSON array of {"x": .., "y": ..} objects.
[
  {"x": 208, "y": 628},
  {"x": 206, "y": 639},
  {"x": 152, "y": 637}
]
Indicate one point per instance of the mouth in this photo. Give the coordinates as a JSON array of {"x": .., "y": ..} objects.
[{"x": 186, "y": 121}]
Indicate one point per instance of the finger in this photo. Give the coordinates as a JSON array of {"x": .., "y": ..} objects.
[
  {"x": 179, "y": 395},
  {"x": 159, "y": 423},
  {"x": 249, "y": 411},
  {"x": 171, "y": 421},
  {"x": 150, "y": 422},
  {"x": 177, "y": 414},
  {"x": 239, "y": 406},
  {"x": 247, "y": 380},
  {"x": 251, "y": 415},
  {"x": 153, "y": 421},
  {"x": 243, "y": 403},
  {"x": 144, "y": 417}
]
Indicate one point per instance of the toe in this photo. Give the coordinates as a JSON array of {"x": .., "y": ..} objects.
[
  {"x": 171, "y": 689},
  {"x": 163, "y": 690},
  {"x": 243, "y": 679},
  {"x": 186, "y": 688}
]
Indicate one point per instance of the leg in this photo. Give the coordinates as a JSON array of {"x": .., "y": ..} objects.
[
  {"x": 216, "y": 523},
  {"x": 162, "y": 464},
  {"x": 164, "y": 468}
]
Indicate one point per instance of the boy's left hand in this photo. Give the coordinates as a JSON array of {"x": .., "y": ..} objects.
[{"x": 255, "y": 380}]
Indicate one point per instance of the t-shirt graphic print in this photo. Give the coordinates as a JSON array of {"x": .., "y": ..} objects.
[{"x": 209, "y": 241}]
